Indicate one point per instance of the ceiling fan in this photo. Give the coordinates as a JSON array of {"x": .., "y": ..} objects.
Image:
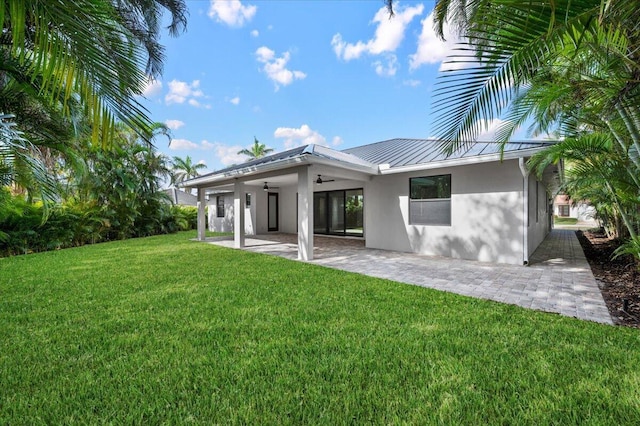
[
  {"x": 267, "y": 187},
  {"x": 319, "y": 181}
]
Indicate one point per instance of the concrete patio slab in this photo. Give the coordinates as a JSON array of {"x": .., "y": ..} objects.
[{"x": 557, "y": 280}]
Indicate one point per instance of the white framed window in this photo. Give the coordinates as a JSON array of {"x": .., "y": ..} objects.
[{"x": 430, "y": 200}]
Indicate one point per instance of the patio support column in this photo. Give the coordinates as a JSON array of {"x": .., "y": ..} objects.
[
  {"x": 305, "y": 214},
  {"x": 238, "y": 214},
  {"x": 202, "y": 220}
]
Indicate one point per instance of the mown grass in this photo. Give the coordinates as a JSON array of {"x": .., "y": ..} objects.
[
  {"x": 167, "y": 330},
  {"x": 565, "y": 220}
]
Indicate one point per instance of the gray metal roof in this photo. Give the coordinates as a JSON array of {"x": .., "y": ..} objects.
[
  {"x": 394, "y": 152},
  {"x": 312, "y": 150},
  {"x": 407, "y": 152}
]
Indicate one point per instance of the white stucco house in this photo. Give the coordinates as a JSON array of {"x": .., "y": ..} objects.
[
  {"x": 563, "y": 206},
  {"x": 399, "y": 194}
]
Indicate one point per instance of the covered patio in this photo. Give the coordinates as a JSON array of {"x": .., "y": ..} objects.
[
  {"x": 282, "y": 189},
  {"x": 558, "y": 279}
]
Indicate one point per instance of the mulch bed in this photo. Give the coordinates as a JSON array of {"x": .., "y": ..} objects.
[{"x": 619, "y": 279}]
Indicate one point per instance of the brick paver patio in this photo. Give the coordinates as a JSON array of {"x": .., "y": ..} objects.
[{"x": 558, "y": 279}]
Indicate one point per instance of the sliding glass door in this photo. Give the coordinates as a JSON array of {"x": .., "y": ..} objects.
[{"x": 338, "y": 212}]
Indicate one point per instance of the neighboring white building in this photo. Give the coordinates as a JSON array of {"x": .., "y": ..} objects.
[
  {"x": 181, "y": 198},
  {"x": 400, "y": 194},
  {"x": 581, "y": 210}
]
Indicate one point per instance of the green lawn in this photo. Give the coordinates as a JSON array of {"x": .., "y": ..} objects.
[
  {"x": 558, "y": 220},
  {"x": 167, "y": 330}
]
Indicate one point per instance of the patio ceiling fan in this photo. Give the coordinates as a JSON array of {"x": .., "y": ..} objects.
[
  {"x": 319, "y": 181},
  {"x": 267, "y": 187}
]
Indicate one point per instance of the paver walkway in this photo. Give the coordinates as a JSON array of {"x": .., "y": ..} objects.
[{"x": 558, "y": 279}]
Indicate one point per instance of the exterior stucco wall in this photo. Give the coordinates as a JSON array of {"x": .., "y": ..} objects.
[
  {"x": 486, "y": 214},
  {"x": 539, "y": 213},
  {"x": 225, "y": 224}
]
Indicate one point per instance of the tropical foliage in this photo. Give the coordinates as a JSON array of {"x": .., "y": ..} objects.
[
  {"x": 571, "y": 68},
  {"x": 257, "y": 150},
  {"x": 77, "y": 160}
]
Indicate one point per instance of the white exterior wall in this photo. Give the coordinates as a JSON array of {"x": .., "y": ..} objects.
[
  {"x": 539, "y": 225},
  {"x": 225, "y": 224},
  {"x": 582, "y": 211},
  {"x": 486, "y": 214}
]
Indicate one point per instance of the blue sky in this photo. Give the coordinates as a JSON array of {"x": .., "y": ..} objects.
[{"x": 338, "y": 73}]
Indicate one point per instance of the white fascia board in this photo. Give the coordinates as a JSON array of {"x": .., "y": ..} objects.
[
  {"x": 460, "y": 161},
  {"x": 277, "y": 165},
  {"x": 247, "y": 171}
]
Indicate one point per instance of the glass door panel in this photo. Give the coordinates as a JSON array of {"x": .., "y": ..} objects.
[
  {"x": 354, "y": 212},
  {"x": 336, "y": 212},
  {"x": 320, "y": 213},
  {"x": 272, "y": 217}
]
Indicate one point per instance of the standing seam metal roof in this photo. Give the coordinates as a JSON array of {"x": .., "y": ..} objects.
[{"x": 407, "y": 152}]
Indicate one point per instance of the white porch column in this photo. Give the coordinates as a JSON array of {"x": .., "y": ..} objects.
[
  {"x": 202, "y": 220},
  {"x": 305, "y": 214},
  {"x": 238, "y": 214}
]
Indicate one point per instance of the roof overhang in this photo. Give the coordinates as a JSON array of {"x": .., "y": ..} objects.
[
  {"x": 454, "y": 162},
  {"x": 277, "y": 165}
]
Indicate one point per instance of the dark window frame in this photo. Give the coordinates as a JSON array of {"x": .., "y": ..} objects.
[
  {"x": 414, "y": 202},
  {"x": 219, "y": 208}
]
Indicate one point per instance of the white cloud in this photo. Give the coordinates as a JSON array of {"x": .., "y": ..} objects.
[
  {"x": 235, "y": 101},
  {"x": 388, "y": 35},
  {"x": 181, "y": 91},
  {"x": 202, "y": 162},
  {"x": 255, "y": 33},
  {"x": 228, "y": 155},
  {"x": 389, "y": 69},
  {"x": 152, "y": 88},
  {"x": 412, "y": 83},
  {"x": 174, "y": 124},
  {"x": 431, "y": 49},
  {"x": 303, "y": 135},
  {"x": 231, "y": 12},
  {"x": 188, "y": 145},
  {"x": 182, "y": 144},
  {"x": 275, "y": 68},
  {"x": 337, "y": 140},
  {"x": 491, "y": 129}
]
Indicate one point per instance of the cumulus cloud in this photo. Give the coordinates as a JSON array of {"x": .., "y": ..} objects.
[
  {"x": 231, "y": 12},
  {"x": 186, "y": 144},
  {"x": 228, "y": 154},
  {"x": 492, "y": 128},
  {"x": 181, "y": 91},
  {"x": 182, "y": 144},
  {"x": 387, "y": 68},
  {"x": 174, "y": 124},
  {"x": 432, "y": 50},
  {"x": 235, "y": 101},
  {"x": 303, "y": 135},
  {"x": 255, "y": 33},
  {"x": 388, "y": 35},
  {"x": 276, "y": 67},
  {"x": 152, "y": 88}
]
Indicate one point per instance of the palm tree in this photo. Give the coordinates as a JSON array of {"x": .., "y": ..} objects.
[
  {"x": 100, "y": 50},
  {"x": 184, "y": 169},
  {"x": 513, "y": 42},
  {"x": 257, "y": 150}
]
